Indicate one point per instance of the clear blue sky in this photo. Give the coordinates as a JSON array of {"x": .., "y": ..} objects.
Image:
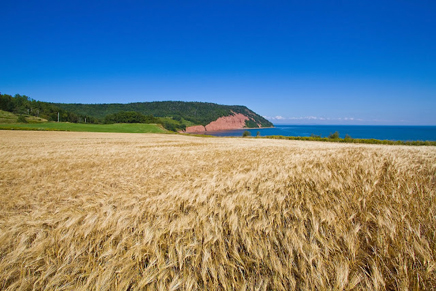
[{"x": 325, "y": 62}]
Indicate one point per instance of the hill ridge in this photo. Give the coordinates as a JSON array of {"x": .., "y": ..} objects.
[
  {"x": 195, "y": 112},
  {"x": 172, "y": 115}
]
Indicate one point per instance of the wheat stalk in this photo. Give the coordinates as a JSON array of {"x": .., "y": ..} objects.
[{"x": 96, "y": 211}]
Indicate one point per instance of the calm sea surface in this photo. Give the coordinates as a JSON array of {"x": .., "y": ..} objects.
[{"x": 404, "y": 133}]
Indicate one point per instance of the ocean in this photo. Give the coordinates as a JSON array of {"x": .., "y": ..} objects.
[{"x": 403, "y": 133}]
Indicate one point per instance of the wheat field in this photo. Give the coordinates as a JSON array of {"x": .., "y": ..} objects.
[{"x": 105, "y": 211}]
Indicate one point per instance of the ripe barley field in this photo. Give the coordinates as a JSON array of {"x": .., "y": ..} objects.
[{"x": 107, "y": 211}]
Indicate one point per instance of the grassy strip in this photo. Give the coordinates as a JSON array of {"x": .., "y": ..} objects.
[
  {"x": 354, "y": 140},
  {"x": 64, "y": 126}
]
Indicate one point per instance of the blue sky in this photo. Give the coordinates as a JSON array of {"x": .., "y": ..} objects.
[{"x": 294, "y": 62}]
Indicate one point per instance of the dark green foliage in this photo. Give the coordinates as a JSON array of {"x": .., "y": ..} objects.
[
  {"x": 251, "y": 124},
  {"x": 6, "y": 103},
  {"x": 246, "y": 133},
  {"x": 200, "y": 113},
  {"x": 258, "y": 134},
  {"x": 334, "y": 135},
  {"x": 136, "y": 117},
  {"x": 21, "y": 104},
  {"x": 22, "y": 119},
  {"x": 177, "y": 118},
  {"x": 173, "y": 115},
  {"x": 169, "y": 126},
  {"x": 347, "y": 136},
  {"x": 130, "y": 117}
]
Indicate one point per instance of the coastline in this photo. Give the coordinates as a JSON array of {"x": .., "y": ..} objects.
[
  {"x": 379, "y": 132},
  {"x": 224, "y": 130}
]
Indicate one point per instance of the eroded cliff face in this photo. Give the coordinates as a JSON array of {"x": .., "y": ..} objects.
[
  {"x": 227, "y": 122},
  {"x": 235, "y": 121}
]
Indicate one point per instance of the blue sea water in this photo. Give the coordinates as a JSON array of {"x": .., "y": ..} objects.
[{"x": 403, "y": 133}]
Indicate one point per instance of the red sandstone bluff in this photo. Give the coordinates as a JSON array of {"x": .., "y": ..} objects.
[{"x": 235, "y": 121}]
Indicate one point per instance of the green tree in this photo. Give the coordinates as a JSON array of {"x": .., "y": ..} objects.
[
  {"x": 22, "y": 119},
  {"x": 246, "y": 134},
  {"x": 334, "y": 135}
]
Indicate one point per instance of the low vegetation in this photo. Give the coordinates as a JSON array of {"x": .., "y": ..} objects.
[
  {"x": 246, "y": 133},
  {"x": 7, "y": 117},
  {"x": 105, "y": 211},
  {"x": 335, "y": 138}
]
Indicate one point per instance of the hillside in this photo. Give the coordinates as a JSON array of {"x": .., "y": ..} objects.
[
  {"x": 172, "y": 115},
  {"x": 195, "y": 113},
  {"x": 9, "y": 117}
]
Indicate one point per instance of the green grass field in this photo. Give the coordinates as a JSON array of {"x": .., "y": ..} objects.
[{"x": 64, "y": 126}]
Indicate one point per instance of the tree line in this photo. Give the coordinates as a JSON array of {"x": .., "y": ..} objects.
[
  {"x": 23, "y": 105},
  {"x": 172, "y": 115},
  {"x": 136, "y": 117},
  {"x": 199, "y": 113}
]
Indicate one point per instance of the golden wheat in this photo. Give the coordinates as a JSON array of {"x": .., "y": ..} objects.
[{"x": 98, "y": 211}]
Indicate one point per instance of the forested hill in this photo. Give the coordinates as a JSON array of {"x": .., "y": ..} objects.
[
  {"x": 200, "y": 113},
  {"x": 172, "y": 115}
]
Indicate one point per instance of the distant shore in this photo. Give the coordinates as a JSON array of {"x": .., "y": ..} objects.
[
  {"x": 154, "y": 128},
  {"x": 380, "y": 132}
]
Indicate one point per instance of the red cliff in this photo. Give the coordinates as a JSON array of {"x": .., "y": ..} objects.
[{"x": 236, "y": 121}]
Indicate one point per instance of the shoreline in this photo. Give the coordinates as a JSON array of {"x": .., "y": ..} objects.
[
  {"x": 126, "y": 129},
  {"x": 222, "y": 130},
  {"x": 379, "y": 132}
]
